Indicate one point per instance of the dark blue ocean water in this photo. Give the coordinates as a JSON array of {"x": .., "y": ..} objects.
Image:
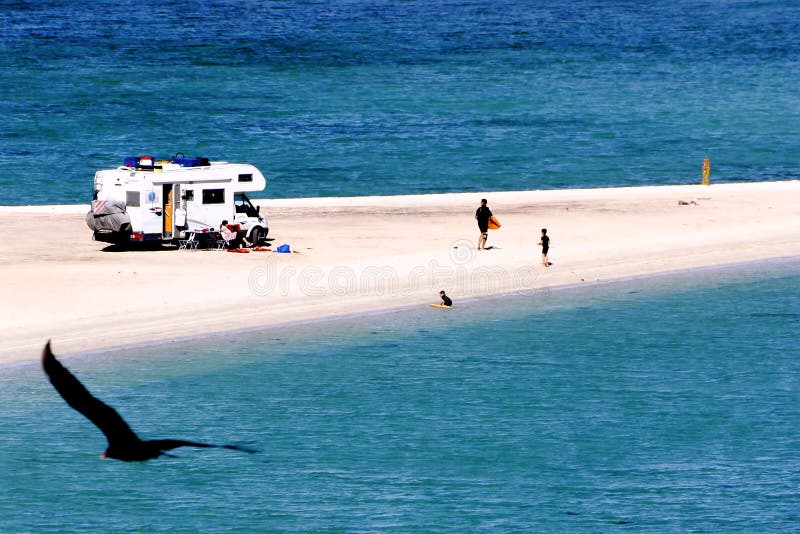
[
  {"x": 660, "y": 405},
  {"x": 395, "y": 97}
]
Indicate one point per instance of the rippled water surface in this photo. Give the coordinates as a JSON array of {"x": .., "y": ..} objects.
[
  {"x": 667, "y": 404},
  {"x": 373, "y": 97}
]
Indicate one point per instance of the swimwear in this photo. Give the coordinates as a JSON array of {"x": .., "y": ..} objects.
[{"x": 483, "y": 214}]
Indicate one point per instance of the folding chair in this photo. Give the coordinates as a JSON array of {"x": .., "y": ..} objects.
[
  {"x": 188, "y": 244},
  {"x": 219, "y": 242}
]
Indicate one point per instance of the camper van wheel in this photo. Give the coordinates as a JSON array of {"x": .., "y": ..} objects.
[{"x": 257, "y": 236}]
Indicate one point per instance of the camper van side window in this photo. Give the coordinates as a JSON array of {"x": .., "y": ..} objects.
[
  {"x": 132, "y": 198},
  {"x": 245, "y": 177},
  {"x": 213, "y": 196}
]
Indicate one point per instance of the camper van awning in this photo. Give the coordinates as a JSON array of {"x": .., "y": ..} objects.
[{"x": 173, "y": 179}]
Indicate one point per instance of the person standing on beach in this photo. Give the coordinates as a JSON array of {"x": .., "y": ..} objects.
[
  {"x": 545, "y": 244},
  {"x": 482, "y": 215}
]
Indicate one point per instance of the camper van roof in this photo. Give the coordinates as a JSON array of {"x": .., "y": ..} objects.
[{"x": 156, "y": 171}]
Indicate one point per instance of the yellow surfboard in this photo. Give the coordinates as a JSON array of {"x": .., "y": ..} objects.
[{"x": 439, "y": 306}]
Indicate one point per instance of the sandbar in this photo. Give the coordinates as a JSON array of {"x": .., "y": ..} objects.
[{"x": 366, "y": 254}]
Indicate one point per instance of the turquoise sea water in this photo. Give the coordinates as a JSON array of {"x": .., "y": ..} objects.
[
  {"x": 669, "y": 404},
  {"x": 376, "y": 97}
]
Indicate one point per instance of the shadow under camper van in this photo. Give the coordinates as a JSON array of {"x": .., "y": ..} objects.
[{"x": 163, "y": 200}]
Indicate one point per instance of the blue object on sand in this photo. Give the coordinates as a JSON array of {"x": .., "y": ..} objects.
[{"x": 283, "y": 248}]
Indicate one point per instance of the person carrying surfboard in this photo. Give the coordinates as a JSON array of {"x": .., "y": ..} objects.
[
  {"x": 446, "y": 301},
  {"x": 482, "y": 215}
]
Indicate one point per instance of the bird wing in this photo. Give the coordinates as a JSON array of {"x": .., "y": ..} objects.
[
  {"x": 169, "y": 444},
  {"x": 78, "y": 397}
]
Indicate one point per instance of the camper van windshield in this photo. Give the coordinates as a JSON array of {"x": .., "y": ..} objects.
[{"x": 243, "y": 205}]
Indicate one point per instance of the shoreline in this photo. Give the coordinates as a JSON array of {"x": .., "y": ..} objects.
[
  {"x": 366, "y": 255},
  {"x": 436, "y": 199},
  {"x": 728, "y": 268}
]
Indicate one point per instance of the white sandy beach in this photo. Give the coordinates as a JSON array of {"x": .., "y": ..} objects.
[{"x": 366, "y": 254}]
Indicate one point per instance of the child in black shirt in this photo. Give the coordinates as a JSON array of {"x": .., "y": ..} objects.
[
  {"x": 545, "y": 244},
  {"x": 446, "y": 301}
]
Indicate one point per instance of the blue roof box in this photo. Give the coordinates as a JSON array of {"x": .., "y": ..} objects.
[
  {"x": 191, "y": 162},
  {"x": 187, "y": 162}
]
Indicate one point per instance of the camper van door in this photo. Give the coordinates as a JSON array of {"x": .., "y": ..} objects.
[{"x": 168, "y": 210}]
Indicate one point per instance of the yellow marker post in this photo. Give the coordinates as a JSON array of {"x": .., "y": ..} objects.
[{"x": 706, "y": 171}]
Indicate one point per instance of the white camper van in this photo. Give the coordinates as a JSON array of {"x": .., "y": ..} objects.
[{"x": 161, "y": 200}]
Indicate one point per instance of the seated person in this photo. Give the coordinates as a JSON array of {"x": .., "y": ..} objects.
[
  {"x": 446, "y": 301},
  {"x": 232, "y": 238}
]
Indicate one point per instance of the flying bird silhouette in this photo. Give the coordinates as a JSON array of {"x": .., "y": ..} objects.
[{"x": 123, "y": 443}]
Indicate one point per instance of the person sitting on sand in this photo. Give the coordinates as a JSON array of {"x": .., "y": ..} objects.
[
  {"x": 446, "y": 301},
  {"x": 232, "y": 238}
]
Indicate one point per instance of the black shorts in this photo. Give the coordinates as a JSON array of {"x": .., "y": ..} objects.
[
  {"x": 545, "y": 249},
  {"x": 483, "y": 227}
]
